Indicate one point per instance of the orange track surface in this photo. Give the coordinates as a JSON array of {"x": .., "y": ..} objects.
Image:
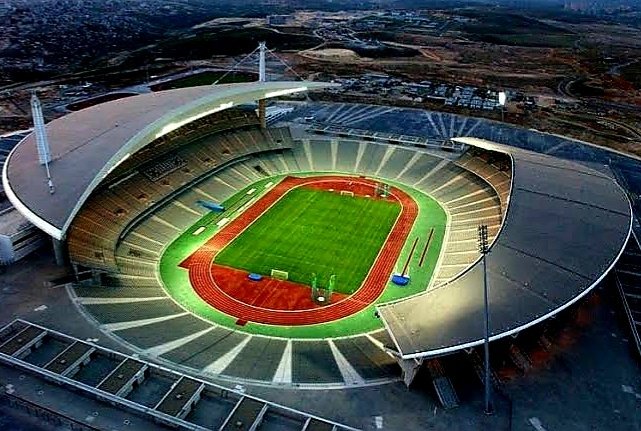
[
  {"x": 267, "y": 293},
  {"x": 206, "y": 279}
]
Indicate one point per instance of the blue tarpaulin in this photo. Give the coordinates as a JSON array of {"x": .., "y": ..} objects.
[
  {"x": 211, "y": 206},
  {"x": 400, "y": 280}
]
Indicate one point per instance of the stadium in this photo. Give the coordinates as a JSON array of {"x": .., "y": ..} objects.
[{"x": 315, "y": 245}]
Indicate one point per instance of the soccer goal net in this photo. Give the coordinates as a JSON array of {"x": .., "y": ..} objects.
[
  {"x": 346, "y": 193},
  {"x": 280, "y": 275}
]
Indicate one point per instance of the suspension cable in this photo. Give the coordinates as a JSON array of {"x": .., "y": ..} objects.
[{"x": 235, "y": 66}]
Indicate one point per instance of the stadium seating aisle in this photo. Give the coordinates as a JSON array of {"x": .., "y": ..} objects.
[
  {"x": 368, "y": 359},
  {"x": 396, "y": 163},
  {"x": 313, "y": 362},
  {"x": 301, "y": 155},
  {"x": 347, "y": 155},
  {"x": 494, "y": 168},
  {"x": 290, "y": 162},
  {"x": 371, "y": 159},
  {"x": 136, "y": 265},
  {"x": 213, "y": 190},
  {"x": 136, "y": 241},
  {"x": 229, "y": 179},
  {"x": 88, "y": 291},
  {"x": 271, "y": 164},
  {"x": 204, "y": 353},
  {"x": 258, "y": 360},
  {"x": 127, "y": 314},
  {"x": 178, "y": 215},
  {"x": 166, "y": 331}
]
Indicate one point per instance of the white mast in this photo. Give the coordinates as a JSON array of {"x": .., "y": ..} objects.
[
  {"x": 42, "y": 143},
  {"x": 262, "y": 77}
]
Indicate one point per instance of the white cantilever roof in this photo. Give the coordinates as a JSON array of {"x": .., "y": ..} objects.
[
  {"x": 565, "y": 228},
  {"x": 86, "y": 145}
]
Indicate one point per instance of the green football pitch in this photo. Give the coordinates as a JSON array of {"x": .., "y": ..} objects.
[
  {"x": 315, "y": 231},
  {"x": 178, "y": 285}
]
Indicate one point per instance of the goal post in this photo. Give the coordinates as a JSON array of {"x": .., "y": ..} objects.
[
  {"x": 279, "y": 274},
  {"x": 382, "y": 190},
  {"x": 347, "y": 193},
  {"x": 323, "y": 295}
]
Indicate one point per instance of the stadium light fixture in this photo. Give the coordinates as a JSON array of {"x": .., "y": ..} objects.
[
  {"x": 285, "y": 92},
  {"x": 178, "y": 124},
  {"x": 483, "y": 249},
  {"x": 502, "y": 101}
]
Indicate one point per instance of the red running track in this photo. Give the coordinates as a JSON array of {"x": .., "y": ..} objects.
[
  {"x": 267, "y": 293},
  {"x": 200, "y": 262}
]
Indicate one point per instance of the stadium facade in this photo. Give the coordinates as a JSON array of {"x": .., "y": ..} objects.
[{"x": 557, "y": 227}]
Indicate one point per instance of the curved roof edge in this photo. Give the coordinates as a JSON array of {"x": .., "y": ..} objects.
[
  {"x": 39, "y": 222},
  {"x": 87, "y": 145},
  {"x": 401, "y": 330}
]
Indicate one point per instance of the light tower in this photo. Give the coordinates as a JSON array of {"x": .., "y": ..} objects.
[
  {"x": 262, "y": 77},
  {"x": 42, "y": 143},
  {"x": 483, "y": 249}
]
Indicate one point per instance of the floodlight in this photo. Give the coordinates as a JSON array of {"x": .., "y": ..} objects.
[{"x": 502, "y": 98}]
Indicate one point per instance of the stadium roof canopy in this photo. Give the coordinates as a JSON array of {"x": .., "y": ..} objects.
[
  {"x": 565, "y": 228},
  {"x": 86, "y": 145}
]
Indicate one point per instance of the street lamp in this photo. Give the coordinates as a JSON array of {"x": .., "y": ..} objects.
[{"x": 483, "y": 249}]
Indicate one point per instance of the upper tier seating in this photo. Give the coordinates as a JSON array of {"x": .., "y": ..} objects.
[
  {"x": 221, "y": 121},
  {"x": 110, "y": 210}
]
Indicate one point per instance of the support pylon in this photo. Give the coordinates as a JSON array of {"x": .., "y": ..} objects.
[
  {"x": 262, "y": 77},
  {"x": 42, "y": 143}
]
